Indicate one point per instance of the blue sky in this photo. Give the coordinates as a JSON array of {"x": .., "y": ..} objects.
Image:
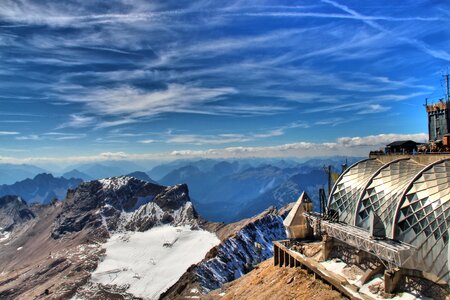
[{"x": 86, "y": 80}]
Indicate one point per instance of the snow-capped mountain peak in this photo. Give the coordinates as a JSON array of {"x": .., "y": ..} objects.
[{"x": 125, "y": 203}]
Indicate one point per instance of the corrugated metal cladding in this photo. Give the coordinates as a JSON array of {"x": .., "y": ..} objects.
[{"x": 412, "y": 201}]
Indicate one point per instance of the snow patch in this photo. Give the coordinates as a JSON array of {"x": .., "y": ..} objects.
[
  {"x": 267, "y": 187},
  {"x": 152, "y": 261},
  {"x": 115, "y": 183},
  {"x": 401, "y": 296},
  {"x": 338, "y": 266},
  {"x": 4, "y": 235}
]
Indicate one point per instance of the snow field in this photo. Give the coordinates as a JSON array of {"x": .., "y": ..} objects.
[{"x": 152, "y": 261}]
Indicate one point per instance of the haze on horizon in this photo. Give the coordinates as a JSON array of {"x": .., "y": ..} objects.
[{"x": 95, "y": 80}]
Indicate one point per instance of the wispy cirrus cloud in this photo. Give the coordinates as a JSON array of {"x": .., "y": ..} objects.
[
  {"x": 422, "y": 46},
  {"x": 172, "y": 137},
  {"x": 373, "y": 109},
  {"x": 132, "y": 104},
  {"x": 149, "y": 66},
  {"x": 54, "y": 136},
  {"x": 223, "y": 138},
  {"x": 340, "y": 16},
  {"x": 78, "y": 121}
]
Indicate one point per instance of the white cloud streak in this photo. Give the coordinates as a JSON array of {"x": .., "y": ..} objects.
[
  {"x": 54, "y": 136},
  {"x": 128, "y": 104},
  {"x": 347, "y": 146},
  {"x": 78, "y": 121}
]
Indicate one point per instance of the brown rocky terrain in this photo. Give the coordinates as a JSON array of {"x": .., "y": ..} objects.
[
  {"x": 35, "y": 266},
  {"x": 234, "y": 256},
  {"x": 269, "y": 282},
  {"x": 50, "y": 251}
]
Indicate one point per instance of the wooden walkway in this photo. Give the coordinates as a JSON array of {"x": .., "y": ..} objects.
[{"x": 283, "y": 257}]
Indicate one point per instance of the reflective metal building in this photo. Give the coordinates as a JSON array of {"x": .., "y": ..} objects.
[{"x": 410, "y": 203}]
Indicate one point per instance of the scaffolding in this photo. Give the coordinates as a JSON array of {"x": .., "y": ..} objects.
[{"x": 392, "y": 253}]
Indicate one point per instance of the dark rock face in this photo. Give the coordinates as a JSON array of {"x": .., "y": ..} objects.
[
  {"x": 238, "y": 255},
  {"x": 104, "y": 201},
  {"x": 171, "y": 206},
  {"x": 173, "y": 197},
  {"x": 13, "y": 210},
  {"x": 234, "y": 257}
]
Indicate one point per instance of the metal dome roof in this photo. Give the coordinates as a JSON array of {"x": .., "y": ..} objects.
[{"x": 411, "y": 200}]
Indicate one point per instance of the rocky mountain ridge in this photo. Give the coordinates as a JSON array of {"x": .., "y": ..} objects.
[
  {"x": 50, "y": 251},
  {"x": 244, "y": 245},
  {"x": 122, "y": 203},
  {"x": 53, "y": 254}
]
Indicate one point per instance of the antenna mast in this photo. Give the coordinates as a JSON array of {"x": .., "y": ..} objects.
[{"x": 447, "y": 85}]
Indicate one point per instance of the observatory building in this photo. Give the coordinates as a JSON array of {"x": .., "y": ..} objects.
[
  {"x": 388, "y": 214},
  {"x": 389, "y": 218},
  {"x": 403, "y": 203}
]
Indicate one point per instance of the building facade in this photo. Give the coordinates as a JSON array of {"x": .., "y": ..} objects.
[{"x": 438, "y": 120}]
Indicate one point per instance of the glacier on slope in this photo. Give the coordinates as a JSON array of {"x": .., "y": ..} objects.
[{"x": 150, "y": 262}]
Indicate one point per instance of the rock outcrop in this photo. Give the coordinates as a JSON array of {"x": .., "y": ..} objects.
[
  {"x": 248, "y": 243},
  {"x": 124, "y": 203},
  {"x": 13, "y": 210},
  {"x": 50, "y": 251}
]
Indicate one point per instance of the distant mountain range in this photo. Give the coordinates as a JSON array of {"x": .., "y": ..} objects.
[
  {"x": 142, "y": 176},
  {"x": 43, "y": 188},
  {"x": 222, "y": 190},
  {"x": 10, "y": 173},
  {"x": 228, "y": 191},
  {"x": 77, "y": 174},
  {"x": 105, "y": 169},
  {"x": 127, "y": 215}
]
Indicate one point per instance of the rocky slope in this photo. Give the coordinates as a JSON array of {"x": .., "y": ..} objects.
[
  {"x": 269, "y": 282},
  {"x": 51, "y": 251},
  {"x": 13, "y": 211},
  {"x": 43, "y": 188},
  {"x": 36, "y": 266},
  {"x": 244, "y": 245}
]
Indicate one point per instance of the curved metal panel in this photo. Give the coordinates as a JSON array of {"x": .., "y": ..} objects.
[
  {"x": 348, "y": 188},
  {"x": 383, "y": 191},
  {"x": 422, "y": 219}
]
